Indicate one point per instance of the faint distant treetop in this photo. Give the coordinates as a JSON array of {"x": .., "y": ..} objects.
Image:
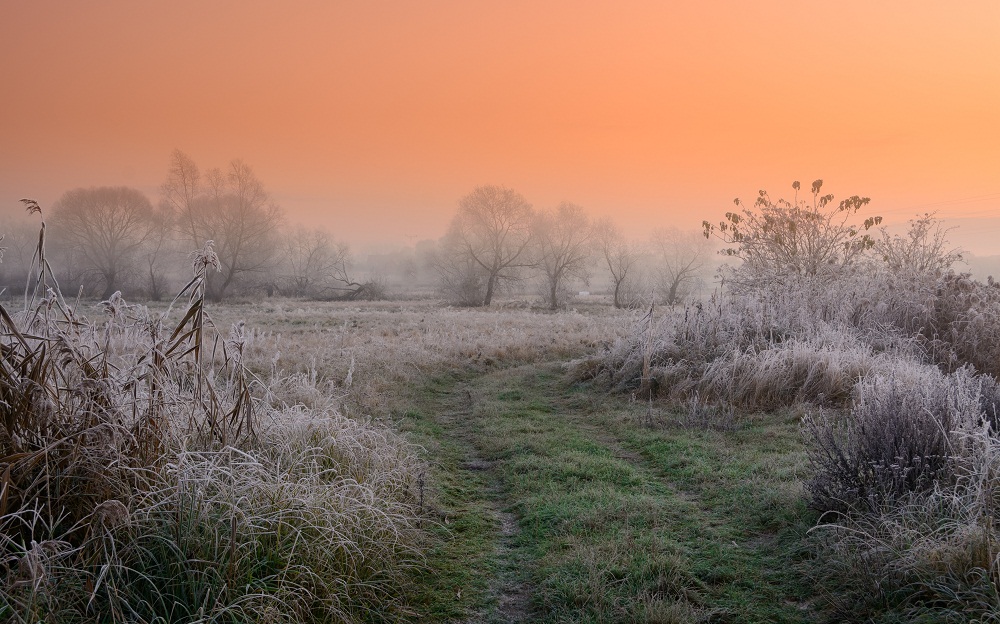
[
  {"x": 229, "y": 207},
  {"x": 105, "y": 228},
  {"x": 780, "y": 239}
]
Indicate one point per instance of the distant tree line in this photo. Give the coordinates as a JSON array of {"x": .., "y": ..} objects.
[
  {"x": 498, "y": 242},
  {"x": 107, "y": 239}
]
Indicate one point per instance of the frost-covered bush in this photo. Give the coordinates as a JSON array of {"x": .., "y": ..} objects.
[
  {"x": 930, "y": 556},
  {"x": 761, "y": 350},
  {"x": 904, "y": 433}
]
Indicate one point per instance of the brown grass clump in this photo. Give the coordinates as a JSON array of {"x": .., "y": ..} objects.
[
  {"x": 904, "y": 434},
  {"x": 927, "y": 556}
]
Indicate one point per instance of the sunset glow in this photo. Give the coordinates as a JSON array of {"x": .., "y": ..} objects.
[{"x": 374, "y": 118}]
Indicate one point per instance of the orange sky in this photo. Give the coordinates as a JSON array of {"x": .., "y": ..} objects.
[{"x": 373, "y": 118}]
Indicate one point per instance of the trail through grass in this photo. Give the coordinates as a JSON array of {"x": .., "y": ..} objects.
[{"x": 557, "y": 503}]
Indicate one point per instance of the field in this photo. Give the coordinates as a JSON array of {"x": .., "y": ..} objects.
[
  {"x": 771, "y": 458},
  {"x": 546, "y": 498}
]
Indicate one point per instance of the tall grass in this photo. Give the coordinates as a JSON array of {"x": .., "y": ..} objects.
[
  {"x": 759, "y": 351},
  {"x": 145, "y": 478}
]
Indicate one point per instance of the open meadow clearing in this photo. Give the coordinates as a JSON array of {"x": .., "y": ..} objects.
[
  {"x": 488, "y": 483},
  {"x": 543, "y": 498},
  {"x": 409, "y": 461},
  {"x": 815, "y": 442},
  {"x": 602, "y": 465},
  {"x": 452, "y": 312}
]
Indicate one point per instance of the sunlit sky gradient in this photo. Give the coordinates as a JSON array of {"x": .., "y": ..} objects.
[{"x": 374, "y": 118}]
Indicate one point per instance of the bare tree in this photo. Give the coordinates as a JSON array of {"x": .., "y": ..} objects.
[
  {"x": 680, "y": 259},
  {"x": 179, "y": 192},
  {"x": 157, "y": 252},
  {"x": 620, "y": 256},
  {"x": 231, "y": 208},
  {"x": 489, "y": 241},
  {"x": 313, "y": 264},
  {"x": 563, "y": 237},
  {"x": 20, "y": 239},
  {"x": 104, "y": 228},
  {"x": 460, "y": 277}
]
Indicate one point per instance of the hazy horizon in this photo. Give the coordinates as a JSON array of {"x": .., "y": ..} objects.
[{"x": 374, "y": 119}]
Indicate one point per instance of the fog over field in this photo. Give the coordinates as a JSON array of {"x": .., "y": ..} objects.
[{"x": 479, "y": 313}]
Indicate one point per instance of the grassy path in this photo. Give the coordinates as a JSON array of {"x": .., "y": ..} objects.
[{"x": 556, "y": 504}]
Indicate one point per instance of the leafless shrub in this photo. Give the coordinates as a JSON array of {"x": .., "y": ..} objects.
[
  {"x": 901, "y": 436},
  {"x": 931, "y": 556},
  {"x": 964, "y": 324}
]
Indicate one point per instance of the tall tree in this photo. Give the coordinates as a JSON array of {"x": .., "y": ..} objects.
[
  {"x": 620, "y": 256},
  {"x": 182, "y": 187},
  {"x": 104, "y": 229},
  {"x": 157, "y": 251},
  {"x": 231, "y": 208},
  {"x": 20, "y": 239},
  {"x": 489, "y": 237},
  {"x": 563, "y": 237},
  {"x": 680, "y": 259}
]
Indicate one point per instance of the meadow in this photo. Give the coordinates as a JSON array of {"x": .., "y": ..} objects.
[
  {"x": 542, "y": 497},
  {"x": 817, "y": 449}
]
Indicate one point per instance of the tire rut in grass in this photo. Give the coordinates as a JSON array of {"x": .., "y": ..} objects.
[
  {"x": 507, "y": 588},
  {"x": 609, "y": 526},
  {"x": 743, "y": 547},
  {"x": 590, "y": 507}
]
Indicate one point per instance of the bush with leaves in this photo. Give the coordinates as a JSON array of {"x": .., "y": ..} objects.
[{"x": 780, "y": 239}]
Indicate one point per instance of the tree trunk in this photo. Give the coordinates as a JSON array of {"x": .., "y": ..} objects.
[
  {"x": 155, "y": 293},
  {"x": 672, "y": 294},
  {"x": 217, "y": 285},
  {"x": 109, "y": 288},
  {"x": 490, "y": 285},
  {"x": 618, "y": 287},
  {"x": 553, "y": 295}
]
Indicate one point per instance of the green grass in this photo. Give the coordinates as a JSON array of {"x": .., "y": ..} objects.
[
  {"x": 618, "y": 522},
  {"x": 461, "y": 527}
]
